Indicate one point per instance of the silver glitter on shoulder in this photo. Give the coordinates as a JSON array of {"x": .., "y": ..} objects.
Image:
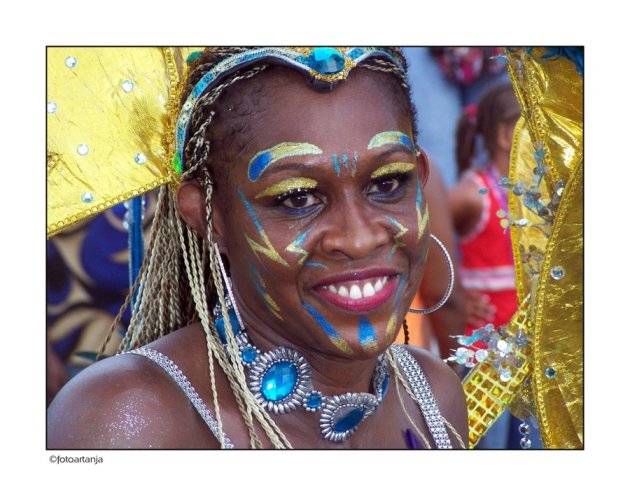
[
  {"x": 424, "y": 396},
  {"x": 182, "y": 381}
]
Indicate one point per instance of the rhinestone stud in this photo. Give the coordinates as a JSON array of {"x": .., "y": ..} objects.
[
  {"x": 557, "y": 272},
  {"x": 83, "y": 149},
  {"x": 51, "y": 107},
  {"x": 71, "y": 62},
  {"x": 140, "y": 158},
  {"x": 127, "y": 86},
  {"x": 87, "y": 197}
]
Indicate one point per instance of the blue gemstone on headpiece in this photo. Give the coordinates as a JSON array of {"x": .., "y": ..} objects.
[
  {"x": 258, "y": 165},
  {"x": 349, "y": 420},
  {"x": 355, "y": 53},
  {"x": 279, "y": 381},
  {"x": 326, "y": 60},
  {"x": 220, "y": 325}
]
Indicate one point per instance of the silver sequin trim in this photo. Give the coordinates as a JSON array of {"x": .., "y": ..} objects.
[
  {"x": 182, "y": 381},
  {"x": 425, "y": 399}
]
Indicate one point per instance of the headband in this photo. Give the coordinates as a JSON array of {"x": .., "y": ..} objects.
[{"x": 324, "y": 66}]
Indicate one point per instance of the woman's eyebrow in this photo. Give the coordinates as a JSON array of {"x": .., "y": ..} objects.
[
  {"x": 391, "y": 138},
  {"x": 264, "y": 158}
]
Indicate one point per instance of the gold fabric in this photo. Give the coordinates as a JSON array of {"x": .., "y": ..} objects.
[
  {"x": 486, "y": 394},
  {"x": 551, "y": 96},
  {"x": 116, "y": 104},
  {"x": 550, "y": 382}
]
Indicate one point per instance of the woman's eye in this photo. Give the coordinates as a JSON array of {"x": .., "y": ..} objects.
[
  {"x": 386, "y": 185},
  {"x": 298, "y": 199}
]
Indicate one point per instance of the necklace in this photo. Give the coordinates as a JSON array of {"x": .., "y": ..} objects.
[{"x": 280, "y": 380}]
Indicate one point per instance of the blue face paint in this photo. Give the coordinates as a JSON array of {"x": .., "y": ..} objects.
[
  {"x": 263, "y": 159},
  {"x": 336, "y": 165},
  {"x": 296, "y": 245},
  {"x": 401, "y": 232},
  {"x": 330, "y": 331},
  {"x": 367, "y": 336},
  {"x": 315, "y": 265},
  {"x": 268, "y": 249},
  {"x": 259, "y": 283},
  {"x": 391, "y": 138}
]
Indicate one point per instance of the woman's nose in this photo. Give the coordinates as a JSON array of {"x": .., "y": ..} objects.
[{"x": 356, "y": 231}]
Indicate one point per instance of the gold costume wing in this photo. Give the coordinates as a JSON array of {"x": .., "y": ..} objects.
[
  {"x": 110, "y": 115},
  {"x": 546, "y": 215}
]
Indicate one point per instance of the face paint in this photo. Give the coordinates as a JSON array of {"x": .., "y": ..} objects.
[
  {"x": 296, "y": 246},
  {"x": 268, "y": 249},
  {"x": 263, "y": 159},
  {"x": 422, "y": 219},
  {"x": 355, "y": 163},
  {"x": 401, "y": 232},
  {"x": 393, "y": 168},
  {"x": 336, "y": 165},
  {"x": 367, "y": 336},
  {"x": 288, "y": 185},
  {"x": 315, "y": 265},
  {"x": 391, "y": 325},
  {"x": 261, "y": 288},
  {"x": 391, "y": 138},
  {"x": 330, "y": 331}
]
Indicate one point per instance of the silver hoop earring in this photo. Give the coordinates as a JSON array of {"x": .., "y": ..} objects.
[{"x": 451, "y": 282}]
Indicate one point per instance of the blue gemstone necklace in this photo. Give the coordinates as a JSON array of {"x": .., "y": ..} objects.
[{"x": 280, "y": 380}]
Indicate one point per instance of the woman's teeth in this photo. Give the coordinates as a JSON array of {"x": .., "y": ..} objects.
[{"x": 358, "y": 291}]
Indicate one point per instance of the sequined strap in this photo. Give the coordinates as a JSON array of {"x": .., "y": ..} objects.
[
  {"x": 182, "y": 381},
  {"x": 423, "y": 396}
]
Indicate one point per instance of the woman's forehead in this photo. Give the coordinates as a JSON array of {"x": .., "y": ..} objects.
[{"x": 346, "y": 118}]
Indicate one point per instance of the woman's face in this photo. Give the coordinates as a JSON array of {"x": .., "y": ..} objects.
[{"x": 323, "y": 220}]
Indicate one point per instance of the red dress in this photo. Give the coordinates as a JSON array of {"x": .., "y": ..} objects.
[{"x": 487, "y": 264}]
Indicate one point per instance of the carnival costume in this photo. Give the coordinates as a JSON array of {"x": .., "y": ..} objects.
[{"x": 117, "y": 130}]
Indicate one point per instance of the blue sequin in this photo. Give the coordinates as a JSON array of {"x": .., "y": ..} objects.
[
  {"x": 349, "y": 420},
  {"x": 355, "y": 53},
  {"x": 279, "y": 381},
  {"x": 326, "y": 60}
]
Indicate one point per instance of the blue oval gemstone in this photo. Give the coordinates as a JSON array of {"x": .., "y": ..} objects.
[
  {"x": 249, "y": 354},
  {"x": 314, "y": 401},
  {"x": 279, "y": 381},
  {"x": 326, "y": 60},
  {"x": 349, "y": 420}
]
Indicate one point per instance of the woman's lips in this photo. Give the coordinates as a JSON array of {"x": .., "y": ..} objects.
[{"x": 360, "y": 295}]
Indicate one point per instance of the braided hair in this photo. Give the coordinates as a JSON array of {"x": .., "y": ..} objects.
[{"x": 180, "y": 279}]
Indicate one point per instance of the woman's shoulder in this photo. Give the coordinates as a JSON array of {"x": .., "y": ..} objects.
[
  {"x": 125, "y": 401},
  {"x": 446, "y": 387}
]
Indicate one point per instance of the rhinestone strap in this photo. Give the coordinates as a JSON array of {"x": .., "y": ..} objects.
[
  {"x": 424, "y": 396},
  {"x": 182, "y": 381}
]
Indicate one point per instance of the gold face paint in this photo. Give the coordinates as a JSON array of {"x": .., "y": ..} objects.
[
  {"x": 263, "y": 159},
  {"x": 287, "y": 185},
  {"x": 391, "y": 138},
  {"x": 394, "y": 168},
  {"x": 401, "y": 232},
  {"x": 268, "y": 249}
]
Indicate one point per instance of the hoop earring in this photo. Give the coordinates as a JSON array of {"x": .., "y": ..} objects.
[{"x": 451, "y": 282}]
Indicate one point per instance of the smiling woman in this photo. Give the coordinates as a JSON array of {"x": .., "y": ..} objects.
[{"x": 279, "y": 271}]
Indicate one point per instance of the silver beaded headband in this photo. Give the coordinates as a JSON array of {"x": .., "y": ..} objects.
[{"x": 324, "y": 65}]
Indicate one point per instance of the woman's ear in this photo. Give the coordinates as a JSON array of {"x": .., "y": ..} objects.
[
  {"x": 423, "y": 165},
  {"x": 191, "y": 205}
]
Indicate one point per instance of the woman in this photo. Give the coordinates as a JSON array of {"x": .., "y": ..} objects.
[{"x": 313, "y": 198}]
